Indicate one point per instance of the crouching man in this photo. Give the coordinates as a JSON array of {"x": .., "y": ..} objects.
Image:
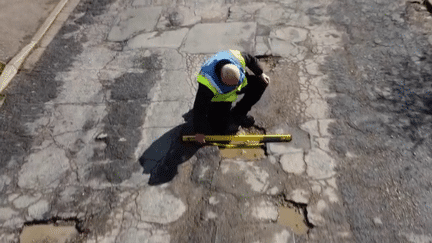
[{"x": 220, "y": 80}]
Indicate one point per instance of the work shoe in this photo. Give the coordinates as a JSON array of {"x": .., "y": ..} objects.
[{"x": 244, "y": 121}]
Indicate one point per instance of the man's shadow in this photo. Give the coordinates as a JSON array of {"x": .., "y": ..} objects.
[{"x": 162, "y": 158}]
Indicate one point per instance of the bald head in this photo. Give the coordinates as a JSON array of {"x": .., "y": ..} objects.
[{"x": 230, "y": 74}]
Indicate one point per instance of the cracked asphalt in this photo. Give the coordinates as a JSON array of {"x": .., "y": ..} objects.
[{"x": 87, "y": 130}]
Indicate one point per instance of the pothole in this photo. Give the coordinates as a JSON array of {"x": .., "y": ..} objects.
[
  {"x": 256, "y": 153},
  {"x": 294, "y": 216},
  {"x": 2, "y": 67},
  {"x": 420, "y": 6},
  {"x": 428, "y": 5},
  {"x": 52, "y": 231}
]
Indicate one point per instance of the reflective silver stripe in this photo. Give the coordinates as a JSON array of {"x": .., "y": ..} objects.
[{"x": 213, "y": 83}]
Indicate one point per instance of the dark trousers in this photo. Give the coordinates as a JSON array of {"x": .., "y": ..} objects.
[{"x": 220, "y": 115}]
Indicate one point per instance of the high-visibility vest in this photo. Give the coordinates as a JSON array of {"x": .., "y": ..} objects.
[{"x": 208, "y": 77}]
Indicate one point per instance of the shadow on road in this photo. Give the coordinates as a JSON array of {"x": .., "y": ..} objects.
[{"x": 162, "y": 158}]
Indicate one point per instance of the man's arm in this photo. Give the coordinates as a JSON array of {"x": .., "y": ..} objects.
[
  {"x": 252, "y": 63},
  {"x": 201, "y": 109}
]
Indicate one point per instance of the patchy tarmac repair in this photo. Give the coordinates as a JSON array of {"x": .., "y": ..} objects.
[
  {"x": 242, "y": 153},
  {"x": 292, "y": 218},
  {"x": 48, "y": 234},
  {"x": 248, "y": 154}
]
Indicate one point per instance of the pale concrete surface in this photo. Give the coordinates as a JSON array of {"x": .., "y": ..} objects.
[
  {"x": 133, "y": 20},
  {"x": 169, "y": 54},
  {"x": 20, "y": 20},
  {"x": 106, "y": 97},
  {"x": 49, "y": 28}
]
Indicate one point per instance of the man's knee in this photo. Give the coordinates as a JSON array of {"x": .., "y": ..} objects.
[
  {"x": 257, "y": 84},
  {"x": 255, "y": 90}
]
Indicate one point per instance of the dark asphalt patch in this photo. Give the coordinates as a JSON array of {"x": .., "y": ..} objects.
[
  {"x": 206, "y": 157},
  {"x": 91, "y": 8},
  {"x": 384, "y": 105},
  {"x": 151, "y": 62},
  {"x": 126, "y": 111},
  {"x": 115, "y": 172},
  {"x": 132, "y": 86},
  {"x": 28, "y": 93}
]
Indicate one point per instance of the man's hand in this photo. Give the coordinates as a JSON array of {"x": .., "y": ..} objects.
[
  {"x": 265, "y": 79},
  {"x": 200, "y": 138}
]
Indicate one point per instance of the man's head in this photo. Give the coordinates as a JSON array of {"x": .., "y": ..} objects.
[{"x": 230, "y": 74}]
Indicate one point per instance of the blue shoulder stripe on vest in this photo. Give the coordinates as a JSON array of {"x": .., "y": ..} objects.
[{"x": 208, "y": 71}]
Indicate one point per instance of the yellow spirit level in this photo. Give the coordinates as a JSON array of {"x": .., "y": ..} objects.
[{"x": 236, "y": 141}]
